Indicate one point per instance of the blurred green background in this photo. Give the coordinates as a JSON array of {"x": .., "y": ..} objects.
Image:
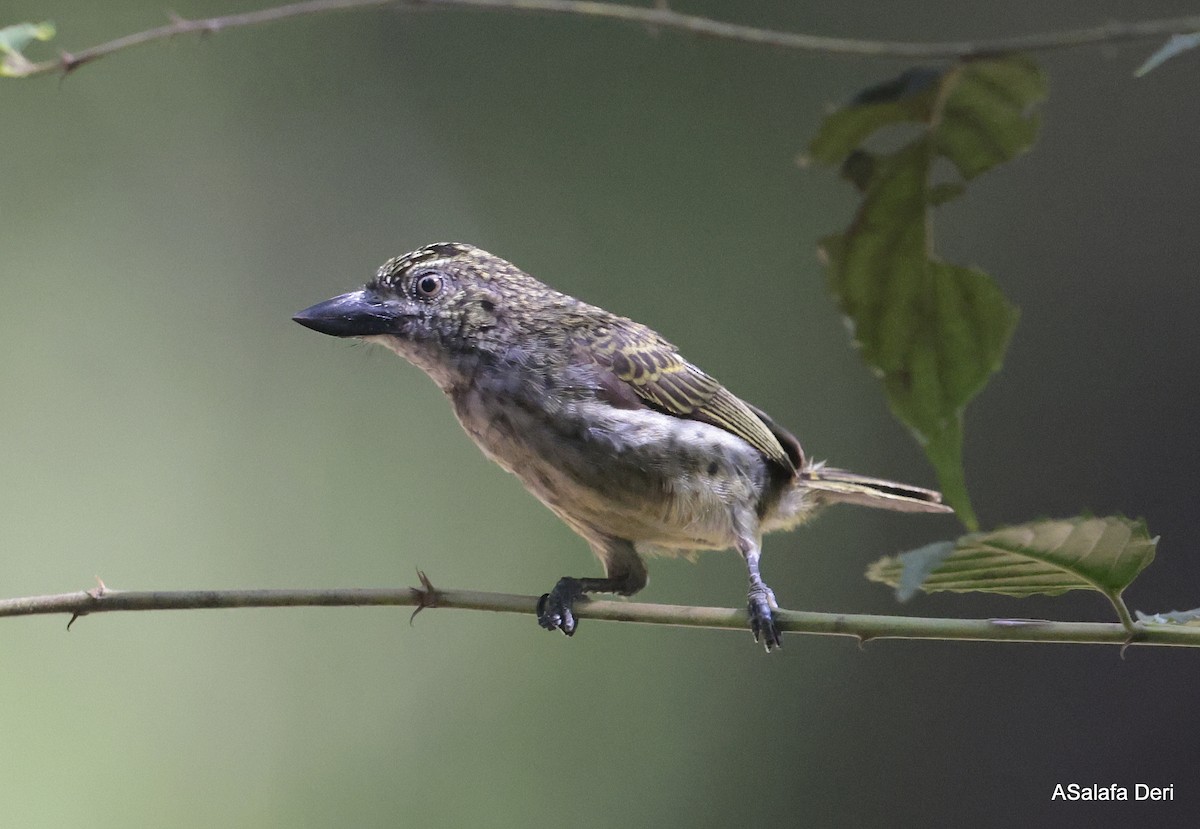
[{"x": 163, "y": 424}]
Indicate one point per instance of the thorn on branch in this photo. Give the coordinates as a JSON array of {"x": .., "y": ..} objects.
[
  {"x": 1134, "y": 637},
  {"x": 97, "y": 593},
  {"x": 426, "y": 595}
]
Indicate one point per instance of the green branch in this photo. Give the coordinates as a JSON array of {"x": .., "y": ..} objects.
[
  {"x": 657, "y": 17},
  {"x": 860, "y": 626}
]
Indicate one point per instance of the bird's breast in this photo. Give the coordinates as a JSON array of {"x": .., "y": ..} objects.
[{"x": 635, "y": 474}]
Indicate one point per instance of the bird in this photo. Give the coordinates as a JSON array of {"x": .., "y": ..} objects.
[{"x": 636, "y": 449}]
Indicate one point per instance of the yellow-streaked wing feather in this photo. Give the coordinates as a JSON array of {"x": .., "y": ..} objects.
[{"x": 658, "y": 374}]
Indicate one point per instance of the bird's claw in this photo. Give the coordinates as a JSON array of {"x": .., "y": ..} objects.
[
  {"x": 555, "y": 614},
  {"x": 761, "y": 606},
  {"x": 554, "y": 608}
]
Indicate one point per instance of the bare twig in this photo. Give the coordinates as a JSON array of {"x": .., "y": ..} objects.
[
  {"x": 863, "y": 627},
  {"x": 655, "y": 17}
]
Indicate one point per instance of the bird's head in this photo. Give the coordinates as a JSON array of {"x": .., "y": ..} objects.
[{"x": 440, "y": 305}]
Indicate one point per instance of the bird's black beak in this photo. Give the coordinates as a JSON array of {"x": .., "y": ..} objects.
[{"x": 356, "y": 314}]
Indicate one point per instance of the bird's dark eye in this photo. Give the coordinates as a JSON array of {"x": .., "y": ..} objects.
[{"x": 429, "y": 285}]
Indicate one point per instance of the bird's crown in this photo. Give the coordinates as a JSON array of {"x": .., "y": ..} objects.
[{"x": 457, "y": 259}]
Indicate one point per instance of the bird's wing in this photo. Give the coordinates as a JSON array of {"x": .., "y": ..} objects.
[
  {"x": 789, "y": 442},
  {"x": 649, "y": 365}
]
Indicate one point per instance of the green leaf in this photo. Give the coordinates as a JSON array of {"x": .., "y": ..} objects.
[
  {"x": 1043, "y": 557},
  {"x": 907, "y": 98},
  {"x": 1174, "y": 617},
  {"x": 1174, "y": 46},
  {"x": 14, "y": 39},
  {"x": 986, "y": 119},
  {"x": 933, "y": 331}
]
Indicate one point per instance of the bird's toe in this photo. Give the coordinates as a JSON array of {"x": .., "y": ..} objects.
[{"x": 761, "y": 606}]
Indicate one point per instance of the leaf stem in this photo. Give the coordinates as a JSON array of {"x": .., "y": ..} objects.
[{"x": 1122, "y": 612}]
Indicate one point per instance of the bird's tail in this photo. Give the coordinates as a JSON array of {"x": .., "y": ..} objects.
[{"x": 837, "y": 486}]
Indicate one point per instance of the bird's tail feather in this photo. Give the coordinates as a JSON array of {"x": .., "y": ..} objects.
[{"x": 837, "y": 486}]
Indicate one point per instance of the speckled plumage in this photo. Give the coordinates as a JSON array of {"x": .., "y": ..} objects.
[{"x": 602, "y": 419}]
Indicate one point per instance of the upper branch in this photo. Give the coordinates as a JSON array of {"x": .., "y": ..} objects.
[{"x": 657, "y": 17}]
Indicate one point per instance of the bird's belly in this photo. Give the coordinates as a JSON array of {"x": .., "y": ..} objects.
[{"x": 639, "y": 475}]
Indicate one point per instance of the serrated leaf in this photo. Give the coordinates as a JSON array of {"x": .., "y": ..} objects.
[
  {"x": 1173, "y": 617},
  {"x": 1043, "y": 557},
  {"x": 986, "y": 119},
  {"x": 14, "y": 39},
  {"x": 933, "y": 331},
  {"x": 1174, "y": 46}
]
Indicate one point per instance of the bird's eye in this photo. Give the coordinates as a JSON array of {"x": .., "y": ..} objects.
[{"x": 429, "y": 285}]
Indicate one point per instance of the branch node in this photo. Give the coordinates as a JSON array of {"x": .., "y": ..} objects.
[
  {"x": 426, "y": 595},
  {"x": 95, "y": 594}
]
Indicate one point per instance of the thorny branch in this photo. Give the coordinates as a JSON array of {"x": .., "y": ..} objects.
[
  {"x": 657, "y": 17},
  {"x": 861, "y": 626}
]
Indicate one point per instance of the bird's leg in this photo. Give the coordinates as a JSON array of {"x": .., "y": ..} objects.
[
  {"x": 625, "y": 574},
  {"x": 761, "y": 602}
]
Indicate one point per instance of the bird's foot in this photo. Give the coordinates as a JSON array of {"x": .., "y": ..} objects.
[
  {"x": 554, "y": 608},
  {"x": 761, "y": 606}
]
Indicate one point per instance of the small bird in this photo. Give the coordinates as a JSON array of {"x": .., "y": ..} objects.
[{"x": 603, "y": 420}]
